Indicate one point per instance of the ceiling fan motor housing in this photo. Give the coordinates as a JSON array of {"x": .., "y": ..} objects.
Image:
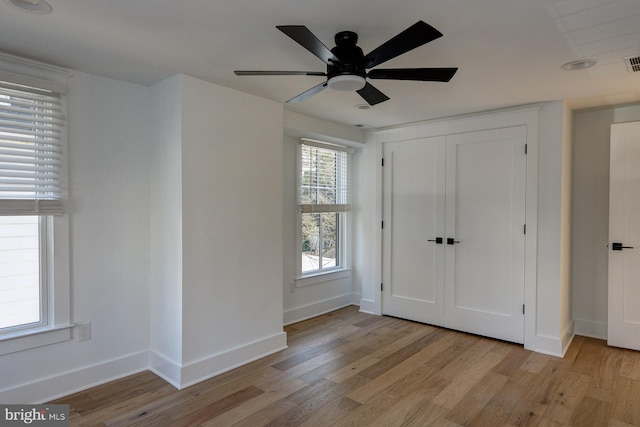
[{"x": 350, "y": 56}]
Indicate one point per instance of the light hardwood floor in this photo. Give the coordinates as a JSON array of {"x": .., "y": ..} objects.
[{"x": 352, "y": 369}]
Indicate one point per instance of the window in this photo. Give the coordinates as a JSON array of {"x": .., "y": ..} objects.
[
  {"x": 32, "y": 142},
  {"x": 324, "y": 203}
]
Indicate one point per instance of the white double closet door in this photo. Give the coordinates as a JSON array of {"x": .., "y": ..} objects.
[{"x": 454, "y": 231}]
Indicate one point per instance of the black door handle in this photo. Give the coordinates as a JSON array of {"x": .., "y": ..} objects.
[
  {"x": 451, "y": 241},
  {"x": 619, "y": 247},
  {"x": 438, "y": 240}
]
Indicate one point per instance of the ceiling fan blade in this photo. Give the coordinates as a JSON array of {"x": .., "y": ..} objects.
[
  {"x": 308, "y": 93},
  {"x": 414, "y": 36},
  {"x": 309, "y": 41},
  {"x": 421, "y": 74},
  {"x": 372, "y": 95},
  {"x": 279, "y": 73}
]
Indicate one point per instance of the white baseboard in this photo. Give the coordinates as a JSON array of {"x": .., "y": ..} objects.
[
  {"x": 317, "y": 308},
  {"x": 553, "y": 346},
  {"x": 192, "y": 373},
  {"x": 355, "y": 299},
  {"x": 70, "y": 382},
  {"x": 165, "y": 368},
  {"x": 217, "y": 364},
  {"x": 369, "y": 307},
  {"x": 591, "y": 329},
  {"x": 567, "y": 337}
]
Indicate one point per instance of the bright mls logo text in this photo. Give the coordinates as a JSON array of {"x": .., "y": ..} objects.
[{"x": 49, "y": 415}]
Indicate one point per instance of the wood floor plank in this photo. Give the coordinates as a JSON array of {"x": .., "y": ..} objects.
[
  {"x": 592, "y": 413},
  {"x": 627, "y": 407},
  {"x": 630, "y": 364},
  {"x": 466, "y": 380},
  {"x": 239, "y": 413},
  {"x": 331, "y": 413},
  {"x": 589, "y": 358},
  {"x": 476, "y": 399},
  {"x": 376, "y": 356},
  {"x": 401, "y": 354},
  {"x": 513, "y": 360},
  {"x": 316, "y": 397},
  {"x": 348, "y": 368},
  {"x": 501, "y": 407},
  {"x": 605, "y": 381},
  {"x": 567, "y": 397},
  {"x": 399, "y": 370}
]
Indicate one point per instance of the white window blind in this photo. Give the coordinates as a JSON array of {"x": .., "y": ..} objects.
[
  {"x": 31, "y": 150},
  {"x": 324, "y": 182}
]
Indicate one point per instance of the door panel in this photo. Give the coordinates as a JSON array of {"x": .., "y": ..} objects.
[
  {"x": 624, "y": 228},
  {"x": 484, "y": 290},
  {"x": 413, "y": 194},
  {"x": 470, "y": 188}
]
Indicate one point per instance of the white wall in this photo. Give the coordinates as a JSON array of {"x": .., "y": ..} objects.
[
  {"x": 166, "y": 226},
  {"x": 232, "y": 219},
  {"x": 109, "y": 141},
  {"x": 591, "y": 215},
  {"x": 210, "y": 230},
  {"x": 553, "y": 319},
  {"x": 219, "y": 231}
]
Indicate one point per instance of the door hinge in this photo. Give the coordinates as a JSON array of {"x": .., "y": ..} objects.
[
  {"x": 381, "y": 224},
  {"x": 526, "y": 148},
  {"x": 522, "y": 308},
  {"x": 525, "y": 229},
  {"x": 381, "y": 286},
  {"x": 382, "y": 162}
]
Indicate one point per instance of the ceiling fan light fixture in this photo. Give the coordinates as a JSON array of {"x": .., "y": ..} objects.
[
  {"x": 347, "y": 82},
  {"x": 40, "y": 7}
]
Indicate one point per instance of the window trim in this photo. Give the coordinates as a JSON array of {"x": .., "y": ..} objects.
[
  {"x": 59, "y": 325},
  {"x": 322, "y": 277},
  {"x": 44, "y": 243},
  {"x": 343, "y": 269}
]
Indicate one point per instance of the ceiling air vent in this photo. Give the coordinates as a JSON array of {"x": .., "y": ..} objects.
[{"x": 633, "y": 63}]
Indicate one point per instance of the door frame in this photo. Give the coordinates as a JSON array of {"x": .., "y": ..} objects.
[{"x": 527, "y": 116}]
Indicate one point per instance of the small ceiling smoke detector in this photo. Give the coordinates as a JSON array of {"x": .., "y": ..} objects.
[
  {"x": 632, "y": 63},
  {"x": 580, "y": 64},
  {"x": 40, "y": 7}
]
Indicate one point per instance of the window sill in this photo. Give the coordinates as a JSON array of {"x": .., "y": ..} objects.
[
  {"x": 25, "y": 340},
  {"x": 317, "y": 278}
]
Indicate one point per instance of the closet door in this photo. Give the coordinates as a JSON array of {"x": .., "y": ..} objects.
[
  {"x": 624, "y": 236},
  {"x": 485, "y": 219},
  {"x": 413, "y": 262}
]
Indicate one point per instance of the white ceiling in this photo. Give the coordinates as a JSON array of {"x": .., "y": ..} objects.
[{"x": 508, "y": 52}]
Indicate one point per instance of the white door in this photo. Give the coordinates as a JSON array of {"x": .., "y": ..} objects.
[
  {"x": 486, "y": 177},
  {"x": 624, "y": 237},
  {"x": 413, "y": 262},
  {"x": 469, "y": 191}
]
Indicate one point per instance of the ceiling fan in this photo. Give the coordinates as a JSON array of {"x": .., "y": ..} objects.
[{"x": 347, "y": 65}]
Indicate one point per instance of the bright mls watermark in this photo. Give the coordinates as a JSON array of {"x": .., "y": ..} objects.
[{"x": 34, "y": 415}]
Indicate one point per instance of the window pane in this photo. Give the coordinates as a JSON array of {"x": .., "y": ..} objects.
[
  {"x": 320, "y": 241},
  {"x": 329, "y": 226},
  {"x": 310, "y": 242},
  {"x": 323, "y": 176},
  {"x": 19, "y": 271}
]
